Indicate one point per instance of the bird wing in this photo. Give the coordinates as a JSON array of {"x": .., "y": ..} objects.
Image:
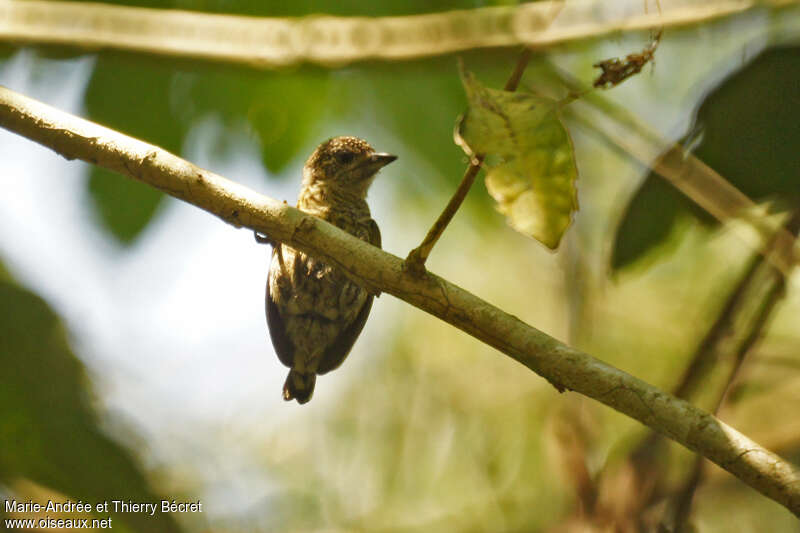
[
  {"x": 374, "y": 234},
  {"x": 337, "y": 352},
  {"x": 375, "y": 240},
  {"x": 277, "y": 329}
]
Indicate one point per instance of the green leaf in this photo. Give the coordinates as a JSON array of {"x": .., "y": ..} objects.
[
  {"x": 124, "y": 206},
  {"x": 530, "y": 162},
  {"x": 394, "y": 92},
  {"x": 131, "y": 95},
  {"x": 746, "y": 130},
  {"x": 49, "y": 431},
  {"x": 282, "y": 108},
  {"x": 285, "y": 111}
]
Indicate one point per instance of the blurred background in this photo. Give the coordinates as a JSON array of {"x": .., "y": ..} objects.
[{"x": 135, "y": 361}]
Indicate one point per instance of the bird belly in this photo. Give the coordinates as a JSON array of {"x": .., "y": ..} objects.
[{"x": 316, "y": 303}]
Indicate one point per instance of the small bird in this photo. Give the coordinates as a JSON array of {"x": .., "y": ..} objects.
[{"x": 314, "y": 312}]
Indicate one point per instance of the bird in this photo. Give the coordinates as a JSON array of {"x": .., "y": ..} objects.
[{"x": 314, "y": 312}]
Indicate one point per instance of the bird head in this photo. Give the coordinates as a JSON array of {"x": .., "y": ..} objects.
[{"x": 346, "y": 163}]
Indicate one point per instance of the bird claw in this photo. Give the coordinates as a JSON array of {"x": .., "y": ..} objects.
[{"x": 263, "y": 239}]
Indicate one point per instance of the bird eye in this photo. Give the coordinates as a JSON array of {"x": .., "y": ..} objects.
[{"x": 344, "y": 157}]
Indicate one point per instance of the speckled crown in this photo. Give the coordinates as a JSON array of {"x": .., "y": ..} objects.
[{"x": 336, "y": 149}]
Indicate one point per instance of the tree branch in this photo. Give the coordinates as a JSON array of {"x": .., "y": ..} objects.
[
  {"x": 269, "y": 42},
  {"x": 75, "y": 138}
]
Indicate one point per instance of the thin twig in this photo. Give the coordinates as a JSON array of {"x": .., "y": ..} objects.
[
  {"x": 415, "y": 262},
  {"x": 683, "y": 500},
  {"x": 519, "y": 70},
  {"x": 708, "y": 352},
  {"x": 725, "y": 202},
  {"x": 682, "y": 505},
  {"x": 700, "y": 183},
  {"x": 616, "y": 70},
  {"x": 372, "y": 267},
  {"x": 705, "y": 355}
]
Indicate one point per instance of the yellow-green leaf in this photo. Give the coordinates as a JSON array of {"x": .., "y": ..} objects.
[{"x": 530, "y": 162}]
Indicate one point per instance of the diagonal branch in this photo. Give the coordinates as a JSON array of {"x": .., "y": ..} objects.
[{"x": 566, "y": 367}]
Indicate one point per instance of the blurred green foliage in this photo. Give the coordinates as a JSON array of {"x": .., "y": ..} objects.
[
  {"x": 133, "y": 97},
  {"x": 441, "y": 436},
  {"x": 434, "y": 432},
  {"x": 49, "y": 433},
  {"x": 159, "y": 103},
  {"x": 748, "y": 130},
  {"x": 282, "y": 110}
]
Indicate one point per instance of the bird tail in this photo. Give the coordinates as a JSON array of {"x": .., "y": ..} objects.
[{"x": 299, "y": 386}]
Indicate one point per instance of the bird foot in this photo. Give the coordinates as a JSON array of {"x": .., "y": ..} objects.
[
  {"x": 263, "y": 239},
  {"x": 414, "y": 263}
]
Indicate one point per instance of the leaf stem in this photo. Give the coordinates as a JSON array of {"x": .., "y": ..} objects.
[{"x": 415, "y": 262}]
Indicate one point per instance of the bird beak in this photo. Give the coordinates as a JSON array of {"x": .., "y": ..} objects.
[{"x": 380, "y": 160}]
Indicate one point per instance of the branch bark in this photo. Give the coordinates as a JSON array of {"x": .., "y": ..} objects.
[
  {"x": 566, "y": 367},
  {"x": 269, "y": 42}
]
